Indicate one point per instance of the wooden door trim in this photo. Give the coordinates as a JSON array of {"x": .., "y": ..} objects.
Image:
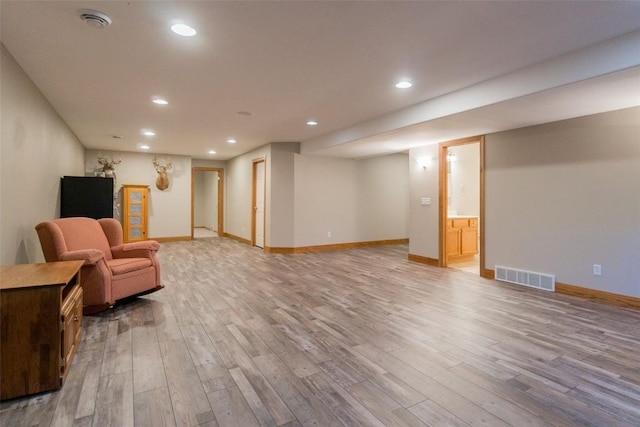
[
  {"x": 220, "y": 171},
  {"x": 442, "y": 198},
  {"x": 254, "y": 164}
]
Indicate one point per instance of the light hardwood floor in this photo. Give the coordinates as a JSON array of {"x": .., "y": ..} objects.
[
  {"x": 471, "y": 266},
  {"x": 203, "y": 233},
  {"x": 355, "y": 337}
]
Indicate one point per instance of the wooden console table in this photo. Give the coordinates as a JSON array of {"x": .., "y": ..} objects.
[{"x": 41, "y": 323}]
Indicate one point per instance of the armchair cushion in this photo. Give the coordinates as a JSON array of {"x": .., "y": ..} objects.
[
  {"x": 89, "y": 256},
  {"x": 127, "y": 265},
  {"x": 83, "y": 233},
  {"x": 144, "y": 249}
]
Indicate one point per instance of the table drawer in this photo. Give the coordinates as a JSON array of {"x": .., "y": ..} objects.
[{"x": 71, "y": 321}]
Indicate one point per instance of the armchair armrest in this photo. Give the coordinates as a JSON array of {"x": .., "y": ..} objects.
[
  {"x": 89, "y": 256},
  {"x": 143, "y": 249}
]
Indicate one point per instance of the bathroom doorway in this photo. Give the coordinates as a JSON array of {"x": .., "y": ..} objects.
[{"x": 462, "y": 204}]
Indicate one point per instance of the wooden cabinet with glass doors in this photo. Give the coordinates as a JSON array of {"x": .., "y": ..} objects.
[{"x": 134, "y": 212}]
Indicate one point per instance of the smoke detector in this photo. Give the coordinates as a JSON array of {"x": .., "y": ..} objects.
[{"x": 95, "y": 19}]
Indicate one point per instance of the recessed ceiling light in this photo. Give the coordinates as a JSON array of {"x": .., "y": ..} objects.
[
  {"x": 144, "y": 147},
  {"x": 404, "y": 84},
  {"x": 160, "y": 101},
  {"x": 183, "y": 30},
  {"x": 148, "y": 133},
  {"x": 231, "y": 141},
  {"x": 212, "y": 152},
  {"x": 312, "y": 123}
]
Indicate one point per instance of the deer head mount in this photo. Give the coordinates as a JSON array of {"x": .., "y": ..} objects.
[
  {"x": 108, "y": 163},
  {"x": 162, "y": 165}
]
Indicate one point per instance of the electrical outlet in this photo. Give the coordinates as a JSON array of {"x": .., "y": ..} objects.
[
  {"x": 597, "y": 270},
  {"x": 328, "y": 234}
]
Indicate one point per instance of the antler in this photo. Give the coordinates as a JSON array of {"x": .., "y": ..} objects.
[
  {"x": 108, "y": 162},
  {"x": 162, "y": 164}
]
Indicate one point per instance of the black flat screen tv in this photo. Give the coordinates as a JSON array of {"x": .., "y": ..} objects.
[{"x": 86, "y": 196}]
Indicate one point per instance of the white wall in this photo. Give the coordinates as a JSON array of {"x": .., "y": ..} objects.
[
  {"x": 354, "y": 200},
  {"x": 465, "y": 179},
  {"x": 198, "y": 199},
  {"x": 169, "y": 210},
  {"x": 383, "y": 198},
  {"x": 326, "y": 190},
  {"x": 563, "y": 196},
  {"x": 37, "y": 149},
  {"x": 207, "y": 163},
  {"x": 423, "y": 219},
  {"x": 280, "y": 203},
  {"x": 211, "y": 200}
]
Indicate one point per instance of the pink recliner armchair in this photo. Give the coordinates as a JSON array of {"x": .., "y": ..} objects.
[{"x": 112, "y": 270}]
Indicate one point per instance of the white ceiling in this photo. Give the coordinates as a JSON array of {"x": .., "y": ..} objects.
[{"x": 477, "y": 67}]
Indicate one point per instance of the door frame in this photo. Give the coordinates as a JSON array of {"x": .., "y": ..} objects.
[
  {"x": 443, "y": 198},
  {"x": 220, "y": 171},
  {"x": 254, "y": 192}
]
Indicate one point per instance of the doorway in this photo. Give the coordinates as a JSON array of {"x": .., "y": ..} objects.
[
  {"x": 258, "y": 203},
  {"x": 207, "y": 195},
  {"x": 462, "y": 205}
]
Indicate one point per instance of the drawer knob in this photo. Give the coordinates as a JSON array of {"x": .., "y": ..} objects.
[{"x": 76, "y": 318}]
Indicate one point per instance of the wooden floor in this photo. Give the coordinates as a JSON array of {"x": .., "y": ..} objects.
[
  {"x": 203, "y": 233},
  {"x": 357, "y": 337},
  {"x": 471, "y": 266}
]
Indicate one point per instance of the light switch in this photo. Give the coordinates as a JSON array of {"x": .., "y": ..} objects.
[{"x": 425, "y": 201}]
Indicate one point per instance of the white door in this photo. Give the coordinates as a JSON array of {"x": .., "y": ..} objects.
[
  {"x": 259, "y": 190},
  {"x": 213, "y": 194}
]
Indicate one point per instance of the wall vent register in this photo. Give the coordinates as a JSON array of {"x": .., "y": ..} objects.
[{"x": 531, "y": 279}]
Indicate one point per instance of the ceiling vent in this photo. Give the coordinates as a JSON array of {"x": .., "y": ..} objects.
[{"x": 95, "y": 19}]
